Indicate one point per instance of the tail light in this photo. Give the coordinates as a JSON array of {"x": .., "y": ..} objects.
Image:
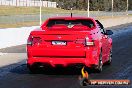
[
  {"x": 89, "y": 42},
  {"x": 34, "y": 40},
  {"x": 85, "y": 42},
  {"x": 30, "y": 40},
  {"x": 37, "y": 41},
  {"x": 80, "y": 41}
]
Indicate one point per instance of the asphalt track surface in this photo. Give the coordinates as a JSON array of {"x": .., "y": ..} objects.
[{"x": 17, "y": 75}]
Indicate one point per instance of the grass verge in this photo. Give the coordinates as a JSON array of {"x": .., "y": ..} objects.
[
  {"x": 13, "y": 10},
  {"x": 19, "y": 24}
]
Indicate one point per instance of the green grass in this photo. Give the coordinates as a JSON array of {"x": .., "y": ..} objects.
[
  {"x": 20, "y": 24},
  {"x": 12, "y": 10}
]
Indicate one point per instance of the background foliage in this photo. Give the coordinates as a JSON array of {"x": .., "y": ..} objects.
[{"x": 95, "y": 5}]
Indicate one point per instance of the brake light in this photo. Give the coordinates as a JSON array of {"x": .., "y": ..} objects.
[
  {"x": 34, "y": 40},
  {"x": 89, "y": 42},
  {"x": 80, "y": 41},
  {"x": 30, "y": 40}
]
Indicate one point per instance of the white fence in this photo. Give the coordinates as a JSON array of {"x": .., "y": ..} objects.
[{"x": 27, "y": 3}]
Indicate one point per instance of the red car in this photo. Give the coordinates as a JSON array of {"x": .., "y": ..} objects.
[{"x": 69, "y": 41}]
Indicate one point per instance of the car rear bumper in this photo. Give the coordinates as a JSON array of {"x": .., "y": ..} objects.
[
  {"x": 64, "y": 62},
  {"x": 66, "y": 57}
]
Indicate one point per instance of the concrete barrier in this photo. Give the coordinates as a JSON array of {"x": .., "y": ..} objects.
[
  {"x": 14, "y": 36},
  {"x": 18, "y": 36},
  {"x": 115, "y": 21}
]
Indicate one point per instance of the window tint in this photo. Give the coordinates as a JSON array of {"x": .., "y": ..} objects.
[
  {"x": 88, "y": 23},
  {"x": 101, "y": 27}
]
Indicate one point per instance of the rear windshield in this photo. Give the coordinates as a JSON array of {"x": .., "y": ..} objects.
[{"x": 84, "y": 22}]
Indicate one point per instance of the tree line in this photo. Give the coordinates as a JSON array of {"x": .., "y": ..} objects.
[{"x": 95, "y": 5}]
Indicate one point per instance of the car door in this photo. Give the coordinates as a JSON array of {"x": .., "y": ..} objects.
[{"x": 104, "y": 40}]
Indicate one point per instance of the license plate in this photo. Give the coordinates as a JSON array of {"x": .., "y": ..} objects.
[{"x": 58, "y": 43}]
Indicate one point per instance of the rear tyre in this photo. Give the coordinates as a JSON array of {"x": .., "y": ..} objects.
[
  {"x": 110, "y": 58},
  {"x": 100, "y": 64},
  {"x": 33, "y": 69}
]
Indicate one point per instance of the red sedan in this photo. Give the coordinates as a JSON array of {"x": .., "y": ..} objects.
[{"x": 69, "y": 41}]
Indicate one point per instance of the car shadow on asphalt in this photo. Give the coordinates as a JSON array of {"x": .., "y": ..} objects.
[{"x": 22, "y": 69}]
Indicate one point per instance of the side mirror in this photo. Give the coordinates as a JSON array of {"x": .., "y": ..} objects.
[{"x": 108, "y": 32}]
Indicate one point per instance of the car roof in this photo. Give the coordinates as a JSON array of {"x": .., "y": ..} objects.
[
  {"x": 70, "y": 18},
  {"x": 67, "y": 18}
]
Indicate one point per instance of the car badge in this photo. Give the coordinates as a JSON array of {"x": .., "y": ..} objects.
[
  {"x": 70, "y": 26},
  {"x": 59, "y": 37}
]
